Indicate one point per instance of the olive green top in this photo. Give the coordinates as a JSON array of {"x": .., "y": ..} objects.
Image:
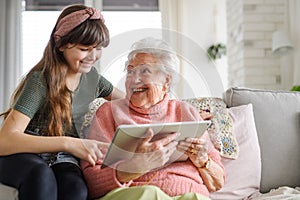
[{"x": 31, "y": 101}]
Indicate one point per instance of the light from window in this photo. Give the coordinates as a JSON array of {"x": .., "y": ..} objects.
[{"x": 37, "y": 27}]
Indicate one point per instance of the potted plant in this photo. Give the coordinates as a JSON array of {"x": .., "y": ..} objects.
[
  {"x": 216, "y": 51},
  {"x": 296, "y": 88}
]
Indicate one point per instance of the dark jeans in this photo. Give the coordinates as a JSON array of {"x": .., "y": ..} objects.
[{"x": 35, "y": 180}]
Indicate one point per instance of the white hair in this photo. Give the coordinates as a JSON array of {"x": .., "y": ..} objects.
[{"x": 162, "y": 51}]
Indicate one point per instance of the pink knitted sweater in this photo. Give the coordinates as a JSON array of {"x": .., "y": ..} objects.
[{"x": 174, "y": 179}]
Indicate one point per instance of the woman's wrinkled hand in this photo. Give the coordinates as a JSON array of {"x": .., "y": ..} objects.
[
  {"x": 196, "y": 149},
  {"x": 205, "y": 114},
  {"x": 151, "y": 154}
]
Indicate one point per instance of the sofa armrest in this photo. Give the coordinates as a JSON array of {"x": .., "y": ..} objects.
[{"x": 8, "y": 193}]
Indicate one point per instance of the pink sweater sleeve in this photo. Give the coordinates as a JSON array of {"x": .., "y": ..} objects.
[{"x": 101, "y": 181}]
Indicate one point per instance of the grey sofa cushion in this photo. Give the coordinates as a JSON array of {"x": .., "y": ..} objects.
[
  {"x": 8, "y": 193},
  {"x": 277, "y": 119}
]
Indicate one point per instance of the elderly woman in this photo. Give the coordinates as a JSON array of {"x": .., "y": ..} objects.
[{"x": 150, "y": 74}]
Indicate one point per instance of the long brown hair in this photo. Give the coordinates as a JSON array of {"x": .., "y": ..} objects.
[{"x": 54, "y": 67}]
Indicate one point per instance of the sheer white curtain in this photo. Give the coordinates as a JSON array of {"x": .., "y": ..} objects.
[
  {"x": 171, "y": 10},
  {"x": 10, "y": 49},
  {"x": 294, "y": 28},
  {"x": 171, "y": 20}
]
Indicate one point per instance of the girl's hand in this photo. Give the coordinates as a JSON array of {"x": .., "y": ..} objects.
[
  {"x": 89, "y": 150},
  {"x": 196, "y": 149}
]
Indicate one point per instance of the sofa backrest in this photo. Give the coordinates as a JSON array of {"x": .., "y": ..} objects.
[{"x": 277, "y": 119}]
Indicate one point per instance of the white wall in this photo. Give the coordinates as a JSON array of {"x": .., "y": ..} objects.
[
  {"x": 246, "y": 27},
  {"x": 204, "y": 22},
  {"x": 250, "y": 28}
]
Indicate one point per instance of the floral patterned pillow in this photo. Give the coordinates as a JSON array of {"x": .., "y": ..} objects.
[
  {"x": 221, "y": 131},
  {"x": 94, "y": 105}
]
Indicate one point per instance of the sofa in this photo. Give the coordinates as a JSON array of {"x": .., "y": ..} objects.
[
  {"x": 271, "y": 169},
  {"x": 262, "y": 135}
]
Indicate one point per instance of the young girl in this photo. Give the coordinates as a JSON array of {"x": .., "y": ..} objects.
[{"x": 39, "y": 143}]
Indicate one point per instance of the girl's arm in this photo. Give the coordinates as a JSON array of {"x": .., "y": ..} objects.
[
  {"x": 115, "y": 94},
  {"x": 14, "y": 140}
]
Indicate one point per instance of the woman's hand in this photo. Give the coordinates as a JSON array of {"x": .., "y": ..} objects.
[
  {"x": 196, "y": 149},
  {"x": 205, "y": 114},
  {"x": 89, "y": 150},
  {"x": 154, "y": 154},
  {"x": 149, "y": 155}
]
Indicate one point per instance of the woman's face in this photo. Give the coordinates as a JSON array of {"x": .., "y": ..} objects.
[
  {"x": 81, "y": 58},
  {"x": 146, "y": 84}
]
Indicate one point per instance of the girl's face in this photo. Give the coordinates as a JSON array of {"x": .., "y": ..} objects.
[
  {"x": 81, "y": 58},
  {"x": 146, "y": 84}
]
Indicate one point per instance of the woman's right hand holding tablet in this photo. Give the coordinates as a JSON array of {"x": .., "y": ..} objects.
[{"x": 149, "y": 155}]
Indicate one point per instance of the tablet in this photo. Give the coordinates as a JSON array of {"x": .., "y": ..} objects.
[{"x": 126, "y": 138}]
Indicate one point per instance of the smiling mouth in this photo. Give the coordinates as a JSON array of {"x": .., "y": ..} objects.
[
  {"x": 137, "y": 90},
  {"x": 86, "y": 63}
]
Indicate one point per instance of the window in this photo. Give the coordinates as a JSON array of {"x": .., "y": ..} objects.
[
  {"x": 39, "y": 20},
  {"x": 36, "y": 29},
  {"x": 130, "y": 5},
  {"x": 46, "y": 5},
  {"x": 108, "y": 5}
]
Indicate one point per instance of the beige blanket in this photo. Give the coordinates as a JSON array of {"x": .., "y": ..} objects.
[{"x": 281, "y": 193}]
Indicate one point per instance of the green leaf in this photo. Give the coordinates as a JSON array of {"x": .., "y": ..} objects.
[
  {"x": 296, "y": 88},
  {"x": 216, "y": 51}
]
